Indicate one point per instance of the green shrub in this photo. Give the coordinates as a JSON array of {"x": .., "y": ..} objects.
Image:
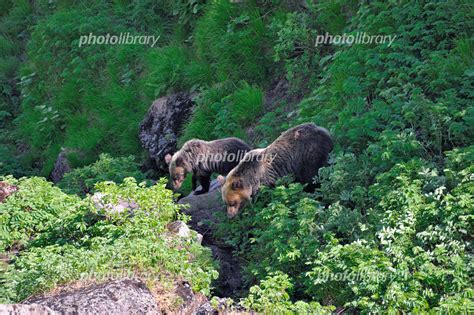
[
  {"x": 84, "y": 243},
  {"x": 106, "y": 168},
  {"x": 410, "y": 250},
  {"x": 34, "y": 209},
  {"x": 271, "y": 297}
]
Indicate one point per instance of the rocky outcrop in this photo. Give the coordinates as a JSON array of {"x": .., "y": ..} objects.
[
  {"x": 23, "y": 309},
  {"x": 126, "y": 296},
  {"x": 61, "y": 167},
  {"x": 203, "y": 210},
  {"x": 6, "y": 190},
  {"x": 162, "y": 125}
]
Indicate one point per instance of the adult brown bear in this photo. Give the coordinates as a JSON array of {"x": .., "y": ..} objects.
[{"x": 299, "y": 151}]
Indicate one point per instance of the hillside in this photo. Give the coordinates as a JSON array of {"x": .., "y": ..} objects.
[{"x": 388, "y": 230}]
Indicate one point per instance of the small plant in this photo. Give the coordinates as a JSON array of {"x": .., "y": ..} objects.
[{"x": 272, "y": 296}]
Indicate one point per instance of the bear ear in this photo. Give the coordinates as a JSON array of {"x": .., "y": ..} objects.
[
  {"x": 179, "y": 161},
  {"x": 196, "y": 144},
  {"x": 193, "y": 144},
  {"x": 168, "y": 158},
  {"x": 298, "y": 134},
  {"x": 237, "y": 184},
  {"x": 221, "y": 180}
]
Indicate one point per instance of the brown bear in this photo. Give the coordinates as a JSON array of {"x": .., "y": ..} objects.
[
  {"x": 203, "y": 158},
  {"x": 299, "y": 152}
]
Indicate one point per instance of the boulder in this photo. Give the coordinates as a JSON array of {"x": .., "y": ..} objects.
[
  {"x": 223, "y": 306},
  {"x": 125, "y": 296},
  {"x": 23, "y": 309},
  {"x": 161, "y": 127},
  {"x": 6, "y": 190},
  {"x": 203, "y": 208}
]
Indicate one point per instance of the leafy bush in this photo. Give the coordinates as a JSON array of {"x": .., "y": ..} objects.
[
  {"x": 34, "y": 209},
  {"x": 87, "y": 244},
  {"x": 271, "y": 297},
  {"x": 106, "y": 168},
  {"x": 388, "y": 228}
]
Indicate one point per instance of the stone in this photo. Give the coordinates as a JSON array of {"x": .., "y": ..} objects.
[
  {"x": 179, "y": 228},
  {"x": 61, "y": 167},
  {"x": 125, "y": 296},
  {"x": 119, "y": 207},
  {"x": 26, "y": 309},
  {"x": 203, "y": 209},
  {"x": 6, "y": 190},
  {"x": 191, "y": 301},
  {"x": 162, "y": 125}
]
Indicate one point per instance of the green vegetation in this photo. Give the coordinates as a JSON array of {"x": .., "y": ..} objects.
[
  {"x": 224, "y": 111},
  {"x": 82, "y": 180},
  {"x": 64, "y": 238},
  {"x": 403, "y": 250},
  {"x": 389, "y": 229}
]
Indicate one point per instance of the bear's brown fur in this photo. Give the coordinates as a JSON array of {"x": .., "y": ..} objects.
[
  {"x": 203, "y": 158},
  {"x": 299, "y": 151}
]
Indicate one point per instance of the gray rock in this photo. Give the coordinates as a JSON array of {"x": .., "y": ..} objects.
[
  {"x": 160, "y": 129},
  {"x": 203, "y": 210},
  {"x": 6, "y": 190},
  {"x": 206, "y": 309},
  {"x": 23, "y": 309},
  {"x": 113, "y": 208},
  {"x": 126, "y": 296},
  {"x": 191, "y": 301},
  {"x": 61, "y": 167},
  {"x": 179, "y": 228}
]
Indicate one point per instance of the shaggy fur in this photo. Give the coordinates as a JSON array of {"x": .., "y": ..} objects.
[
  {"x": 202, "y": 159},
  {"x": 299, "y": 152}
]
